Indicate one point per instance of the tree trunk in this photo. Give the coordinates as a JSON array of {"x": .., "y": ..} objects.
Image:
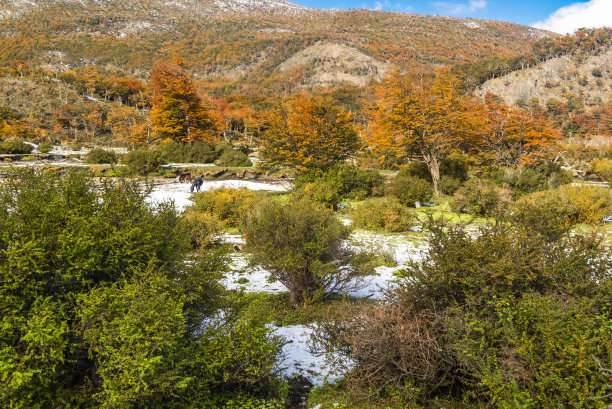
[{"x": 433, "y": 164}]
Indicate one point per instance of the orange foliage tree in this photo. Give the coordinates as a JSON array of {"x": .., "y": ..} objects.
[
  {"x": 309, "y": 132},
  {"x": 427, "y": 119},
  {"x": 513, "y": 137},
  {"x": 177, "y": 111},
  {"x": 129, "y": 125}
]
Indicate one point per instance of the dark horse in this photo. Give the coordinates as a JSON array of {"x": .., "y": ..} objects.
[{"x": 197, "y": 183}]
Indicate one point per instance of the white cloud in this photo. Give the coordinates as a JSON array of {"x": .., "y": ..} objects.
[
  {"x": 566, "y": 20},
  {"x": 461, "y": 8}
]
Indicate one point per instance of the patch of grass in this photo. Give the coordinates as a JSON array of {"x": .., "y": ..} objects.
[{"x": 277, "y": 309}]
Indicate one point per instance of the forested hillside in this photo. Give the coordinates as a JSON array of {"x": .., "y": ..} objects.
[{"x": 245, "y": 43}]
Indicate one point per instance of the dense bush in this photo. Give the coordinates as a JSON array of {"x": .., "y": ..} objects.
[
  {"x": 144, "y": 161},
  {"x": 449, "y": 185},
  {"x": 45, "y": 147},
  {"x": 100, "y": 309},
  {"x": 480, "y": 197},
  {"x": 416, "y": 169},
  {"x": 15, "y": 148},
  {"x": 301, "y": 244},
  {"x": 383, "y": 213},
  {"x": 603, "y": 169},
  {"x": 202, "y": 227},
  {"x": 453, "y": 166},
  {"x": 319, "y": 191},
  {"x": 502, "y": 318},
  {"x": 101, "y": 156},
  {"x": 231, "y": 206},
  {"x": 196, "y": 152},
  {"x": 544, "y": 176},
  {"x": 233, "y": 158},
  {"x": 409, "y": 189},
  {"x": 349, "y": 181}
]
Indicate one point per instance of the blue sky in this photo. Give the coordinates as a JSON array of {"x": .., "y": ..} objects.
[{"x": 562, "y": 16}]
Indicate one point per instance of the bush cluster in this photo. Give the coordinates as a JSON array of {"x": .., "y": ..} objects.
[
  {"x": 603, "y": 169},
  {"x": 319, "y": 191},
  {"x": 144, "y": 161},
  {"x": 101, "y": 156},
  {"x": 301, "y": 243},
  {"x": 522, "y": 181},
  {"x": 410, "y": 189},
  {"x": 349, "y": 181},
  {"x": 233, "y": 158},
  {"x": 480, "y": 197},
  {"x": 197, "y": 152},
  {"x": 502, "y": 318},
  {"x": 98, "y": 301},
  {"x": 230, "y": 206},
  {"x": 15, "y": 148},
  {"x": 385, "y": 213},
  {"x": 45, "y": 147}
]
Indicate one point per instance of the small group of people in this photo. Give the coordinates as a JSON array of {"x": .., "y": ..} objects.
[{"x": 196, "y": 184}]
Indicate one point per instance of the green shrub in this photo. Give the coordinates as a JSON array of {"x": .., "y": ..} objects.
[
  {"x": 453, "y": 166},
  {"x": 416, "y": 169},
  {"x": 144, "y": 161},
  {"x": 383, "y": 213},
  {"x": 201, "y": 228},
  {"x": 544, "y": 176},
  {"x": 592, "y": 203},
  {"x": 233, "y": 158},
  {"x": 410, "y": 190},
  {"x": 101, "y": 156},
  {"x": 480, "y": 197},
  {"x": 45, "y": 147},
  {"x": 94, "y": 276},
  {"x": 449, "y": 185},
  {"x": 548, "y": 213},
  {"x": 319, "y": 191},
  {"x": 15, "y": 148},
  {"x": 76, "y": 147},
  {"x": 231, "y": 206},
  {"x": 196, "y": 152},
  {"x": 349, "y": 181},
  {"x": 301, "y": 243},
  {"x": 603, "y": 169},
  {"x": 502, "y": 316}
]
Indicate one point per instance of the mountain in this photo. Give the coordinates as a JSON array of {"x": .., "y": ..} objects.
[
  {"x": 588, "y": 78},
  {"x": 269, "y": 46}
]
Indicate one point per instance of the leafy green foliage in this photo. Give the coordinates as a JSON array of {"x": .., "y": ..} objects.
[
  {"x": 196, "y": 152},
  {"x": 101, "y": 156},
  {"x": 301, "y": 244},
  {"x": 231, "y": 206},
  {"x": 409, "y": 190},
  {"x": 349, "y": 181},
  {"x": 233, "y": 158},
  {"x": 319, "y": 191},
  {"x": 480, "y": 197},
  {"x": 144, "y": 161},
  {"x": 385, "y": 213},
  {"x": 15, "y": 147},
  {"x": 45, "y": 147},
  {"x": 505, "y": 318},
  {"x": 100, "y": 309}
]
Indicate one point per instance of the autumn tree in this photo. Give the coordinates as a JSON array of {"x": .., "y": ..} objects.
[
  {"x": 178, "y": 112},
  {"x": 513, "y": 137},
  {"x": 129, "y": 125},
  {"x": 427, "y": 119},
  {"x": 309, "y": 132}
]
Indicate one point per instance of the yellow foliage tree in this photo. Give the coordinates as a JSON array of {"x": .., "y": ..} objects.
[
  {"x": 427, "y": 119},
  {"x": 309, "y": 132},
  {"x": 129, "y": 125},
  {"x": 177, "y": 111}
]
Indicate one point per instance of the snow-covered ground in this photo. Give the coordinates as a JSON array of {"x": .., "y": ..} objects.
[
  {"x": 298, "y": 357},
  {"x": 180, "y": 193}
]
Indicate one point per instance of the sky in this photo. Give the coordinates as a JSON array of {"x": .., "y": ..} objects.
[{"x": 560, "y": 16}]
